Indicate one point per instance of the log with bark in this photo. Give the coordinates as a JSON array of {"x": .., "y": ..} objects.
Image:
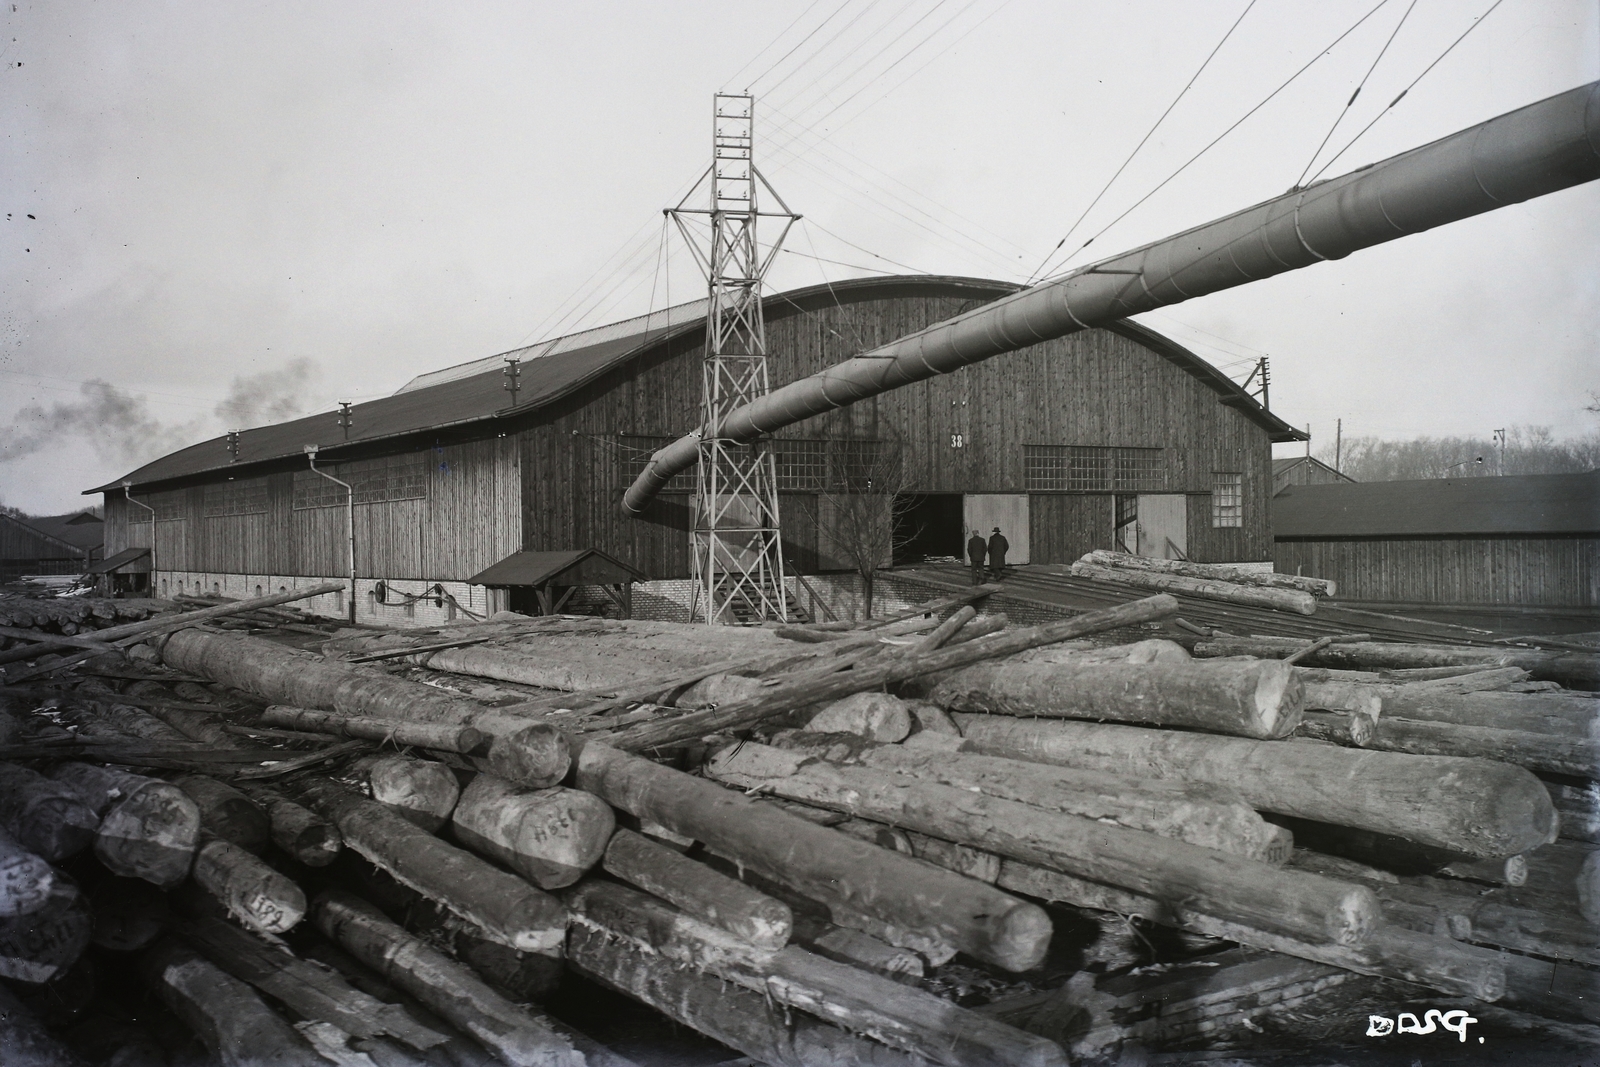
[
  {"x": 46, "y": 817},
  {"x": 25, "y": 879},
  {"x": 1578, "y": 809},
  {"x": 518, "y": 1035},
  {"x": 234, "y": 1024},
  {"x": 1548, "y": 753},
  {"x": 749, "y": 1022},
  {"x": 46, "y": 942},
  {"x": 284, "y": 676},
  {"x": 422, "y": 791},
  {"x": 1261, "y": 698},
  {"x": 149, "y": 828},
  {"x": 1576, "y": 670},
  {"x": 1388, "y": 952},
  {"x": 805, "y": 690},
  {"x": 228, "y": 813},
  {"x": 254, "y": 893},
  {"x": 823, "y": 864},
  {"x": 311, "y": 990},
  {"x": 1218, "y": 571},
  {"x": 146, "y": 628},
  {"x": 508, "y": 909},
  {"x": 549, "y": 836},
  {"x": 1204, "y": 815},
  {"x": 1561, "y": 713},
  {"x": 1255, "y": 596},
  {"x": 442, "y": 738},
  {"x": 853, "y": 999},
  {"x": 1226, "y": 886},
  {"x": 296, "y": 829},
  {"x": 1473, "y": 806},
  {"x": 699, "y": 891}
]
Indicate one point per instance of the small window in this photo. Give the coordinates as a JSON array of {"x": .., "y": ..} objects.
[{"x": 1227, "y": 500}]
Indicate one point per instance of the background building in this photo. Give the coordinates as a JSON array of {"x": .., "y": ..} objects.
[
  {"x": 1303, "y": 470},
  {"x": 50, "y": 544},
  {"x": 1523, "y": 540},
  {"x": 1111, "y": 436}
]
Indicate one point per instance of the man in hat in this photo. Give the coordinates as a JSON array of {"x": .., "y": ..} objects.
[
  {"x": 998, "y": 546},
  {"x": 976, "y": 550}
]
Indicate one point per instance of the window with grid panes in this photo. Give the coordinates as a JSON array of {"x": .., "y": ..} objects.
[
  {"x": 236, "y": 498},
  {"x": 374, "y": 481},
  {"x": 1093, "y": 469},
  {"x": 1227, "y": 499}
]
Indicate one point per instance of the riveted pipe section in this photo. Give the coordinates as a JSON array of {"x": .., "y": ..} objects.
[{"x": 1542, "y": 148}]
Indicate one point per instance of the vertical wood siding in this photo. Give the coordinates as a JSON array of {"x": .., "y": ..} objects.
[
  {"x": 1528, "y": 571},
  {"x": 557, "y": 482}
]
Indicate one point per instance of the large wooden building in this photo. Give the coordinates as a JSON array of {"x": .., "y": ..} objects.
[
  {"x": 1521, "y": 541},
  {"x": 49, "y": 544},
  {"x": 1113, "y": 436}
]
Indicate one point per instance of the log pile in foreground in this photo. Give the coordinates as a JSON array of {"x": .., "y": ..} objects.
[{"x": 807, "y": 845}]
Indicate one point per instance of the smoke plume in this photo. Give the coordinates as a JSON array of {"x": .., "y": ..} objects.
[
  {"x": 123, "y": 430},
  {"x": 268, "y": 397},
  {"x": 118, "y": 425}
]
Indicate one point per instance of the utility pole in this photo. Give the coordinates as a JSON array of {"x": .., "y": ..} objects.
[
  {"x": 1500, "y": 439},
  {"x": 1338, "y": 444},
  {"x": 737, "y": 550}
]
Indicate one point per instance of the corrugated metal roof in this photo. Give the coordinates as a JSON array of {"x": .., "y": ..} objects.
[
  {"x": 474, "y": 391},
  {"x": 1532, "y": 504}
]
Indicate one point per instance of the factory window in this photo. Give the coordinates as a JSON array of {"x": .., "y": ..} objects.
[
  {"x": 1092, "y": 469},
  {"x": 801, "y": 466},
  {"x": 634, "y": 451},
  {"x": 1227, "y": 500},
  {"x": 817, "y": 466},
  {"x": 375, "y": 481},
  {"x": 168, "y": 508},
  {"x": 235, "y": 498}
]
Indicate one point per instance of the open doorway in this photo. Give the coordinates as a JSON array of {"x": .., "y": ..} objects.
[{"x": 927, "y": 526}]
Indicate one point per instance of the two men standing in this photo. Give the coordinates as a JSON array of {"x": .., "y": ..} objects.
[{"x": 995, "y": 550}]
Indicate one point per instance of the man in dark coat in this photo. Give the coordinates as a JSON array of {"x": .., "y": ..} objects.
[
  {"x": 976, "y": 550},
  {"x": 998, "y": 546}
]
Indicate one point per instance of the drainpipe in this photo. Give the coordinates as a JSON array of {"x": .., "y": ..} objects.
[
  {"x": 127, "y": 493},
  {"x": 350, "y": 516}
]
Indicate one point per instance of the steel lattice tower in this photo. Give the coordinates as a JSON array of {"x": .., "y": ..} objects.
[{"x": 738, "y": 553}]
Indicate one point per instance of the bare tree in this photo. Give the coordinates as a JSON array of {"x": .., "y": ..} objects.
[{"x": 856, "y": 520}]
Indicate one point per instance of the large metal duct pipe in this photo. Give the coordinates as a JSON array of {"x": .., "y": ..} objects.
[{"x": 1535, "y": 150}]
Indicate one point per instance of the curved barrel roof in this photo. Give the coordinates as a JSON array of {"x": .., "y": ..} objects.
[{"x": 474, "y": 391}]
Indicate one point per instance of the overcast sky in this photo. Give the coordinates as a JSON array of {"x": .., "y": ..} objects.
[{"x": 229, "y": 213}]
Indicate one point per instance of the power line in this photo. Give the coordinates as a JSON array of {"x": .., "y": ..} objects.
[
  {"x": 1270, "y": 96},
  {"x": 817, "y": 29},
  {"x": 871, "y": 36},
  {"x": 868, "y": 251},
  {"x": 907, "y": 55},
  {"x": 1349, "y": 103},
  {"x": 1480, "y": 20},
  {"x": 1142, "y": 141},
  {"x": 795, "y": 97},
  {"x": 854, "y": 192},
  {"x": 774, "y": 41}
]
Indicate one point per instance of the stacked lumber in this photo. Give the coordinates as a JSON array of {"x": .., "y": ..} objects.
[{"x": 807, "y": 846}]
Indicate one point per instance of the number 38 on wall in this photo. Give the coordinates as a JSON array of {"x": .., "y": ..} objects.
[{"x": 958, "y": 440}]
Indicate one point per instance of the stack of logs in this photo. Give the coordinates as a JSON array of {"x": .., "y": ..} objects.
[
  {"x": 64, "y": 615},
  {"x": 786, "y": 842}
]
